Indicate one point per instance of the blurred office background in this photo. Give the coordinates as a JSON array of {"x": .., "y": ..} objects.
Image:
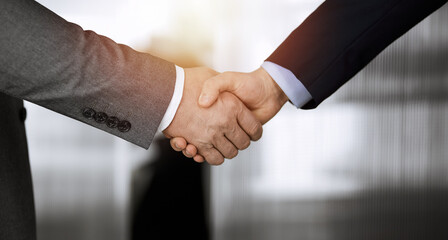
[{"x": 370, "y": 163}]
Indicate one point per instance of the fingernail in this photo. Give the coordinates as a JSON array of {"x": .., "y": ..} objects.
[
  {"x": 177, "y": 146},
  {"x": 203, "y": 99}
]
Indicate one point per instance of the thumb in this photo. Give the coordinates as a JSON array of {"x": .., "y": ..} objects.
[{"x": 213, "y": 86}]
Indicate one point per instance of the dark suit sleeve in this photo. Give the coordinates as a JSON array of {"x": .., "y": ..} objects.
[
  {"x": 56, "y": 64},
  {"x": 342, "y": 36}
]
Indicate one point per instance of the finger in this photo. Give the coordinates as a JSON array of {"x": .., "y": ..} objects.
[
  {"x": 213, "y": 86},
  {"x": 198, "y": 158},
  {"x": 212, "y": 156},
  {"x": 178, "y": 144},
  {"x": 191, "y": 150},
  {"x": 225, "y": 147},
  {"x": 250, "y": 124},
  {"x": 186, "y": 154},
  {"x": 238, "y": 137}
]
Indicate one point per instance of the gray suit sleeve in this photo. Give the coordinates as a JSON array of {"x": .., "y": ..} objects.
[{"x": 56, "y": 64}]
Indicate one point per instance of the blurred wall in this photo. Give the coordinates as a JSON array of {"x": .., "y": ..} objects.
[{"x": 369, "y": 163}]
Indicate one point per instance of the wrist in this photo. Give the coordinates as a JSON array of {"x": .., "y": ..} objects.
[
  {"x": 175, "y": 100},
  {"x": 275, "y": 92}
]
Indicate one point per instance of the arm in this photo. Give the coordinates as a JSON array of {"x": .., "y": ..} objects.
[
  {"x": 56, "y": 64},
  {"x": 342, "y": 36},
  {"x": 333, "y": 44}
]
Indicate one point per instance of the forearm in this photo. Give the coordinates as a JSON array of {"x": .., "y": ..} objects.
[
  {"x": 342, "y": 36},
  {"x": 58, "y": 65}
]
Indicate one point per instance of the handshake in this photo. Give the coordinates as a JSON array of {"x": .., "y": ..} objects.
[{"x": 220, "y": 114}]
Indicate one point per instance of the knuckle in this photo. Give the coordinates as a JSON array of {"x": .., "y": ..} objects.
[
  {"x": 216, "y": 161},
  {"x": 256, "y": 131},
  {"x": 245, "y": 145},
  {"x": 232, "y": 129},
  {"x": 230, "y": 148},
  {"x": 207, "y": 146},
  {"x": 212, "y": 130},
  {"x": 228, "y": 122},
  {"x": 233, "y": 153},
  {"x": 211, "y": 155},
  {"x": 219, "y": 162},
  {"x": 204, "y": 147}
]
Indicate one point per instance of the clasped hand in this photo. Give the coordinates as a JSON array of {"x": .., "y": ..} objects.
[{"x": 220, "y": 113}]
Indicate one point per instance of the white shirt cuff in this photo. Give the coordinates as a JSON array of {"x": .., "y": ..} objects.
[
  {"x": 175, "y": 100},
  {"x": 288, "y": 82}
]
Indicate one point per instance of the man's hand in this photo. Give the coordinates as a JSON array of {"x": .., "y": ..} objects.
[
  {"x": 257, "y": 90},
  {"x": 218, "y": 131}
]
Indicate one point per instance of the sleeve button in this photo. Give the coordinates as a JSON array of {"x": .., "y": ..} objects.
[
  {"x": 124, "y": 126},
  {"x": 101, "y": 117},
  {"x": 88, "y": 113},
  {"x": 112, "y": 122}
]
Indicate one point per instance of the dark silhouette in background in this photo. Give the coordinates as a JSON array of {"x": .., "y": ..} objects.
[{"x": 168, "y": 196}]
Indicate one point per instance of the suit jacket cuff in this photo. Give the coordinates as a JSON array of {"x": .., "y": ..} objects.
[{"x": 288, "y": 82}]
